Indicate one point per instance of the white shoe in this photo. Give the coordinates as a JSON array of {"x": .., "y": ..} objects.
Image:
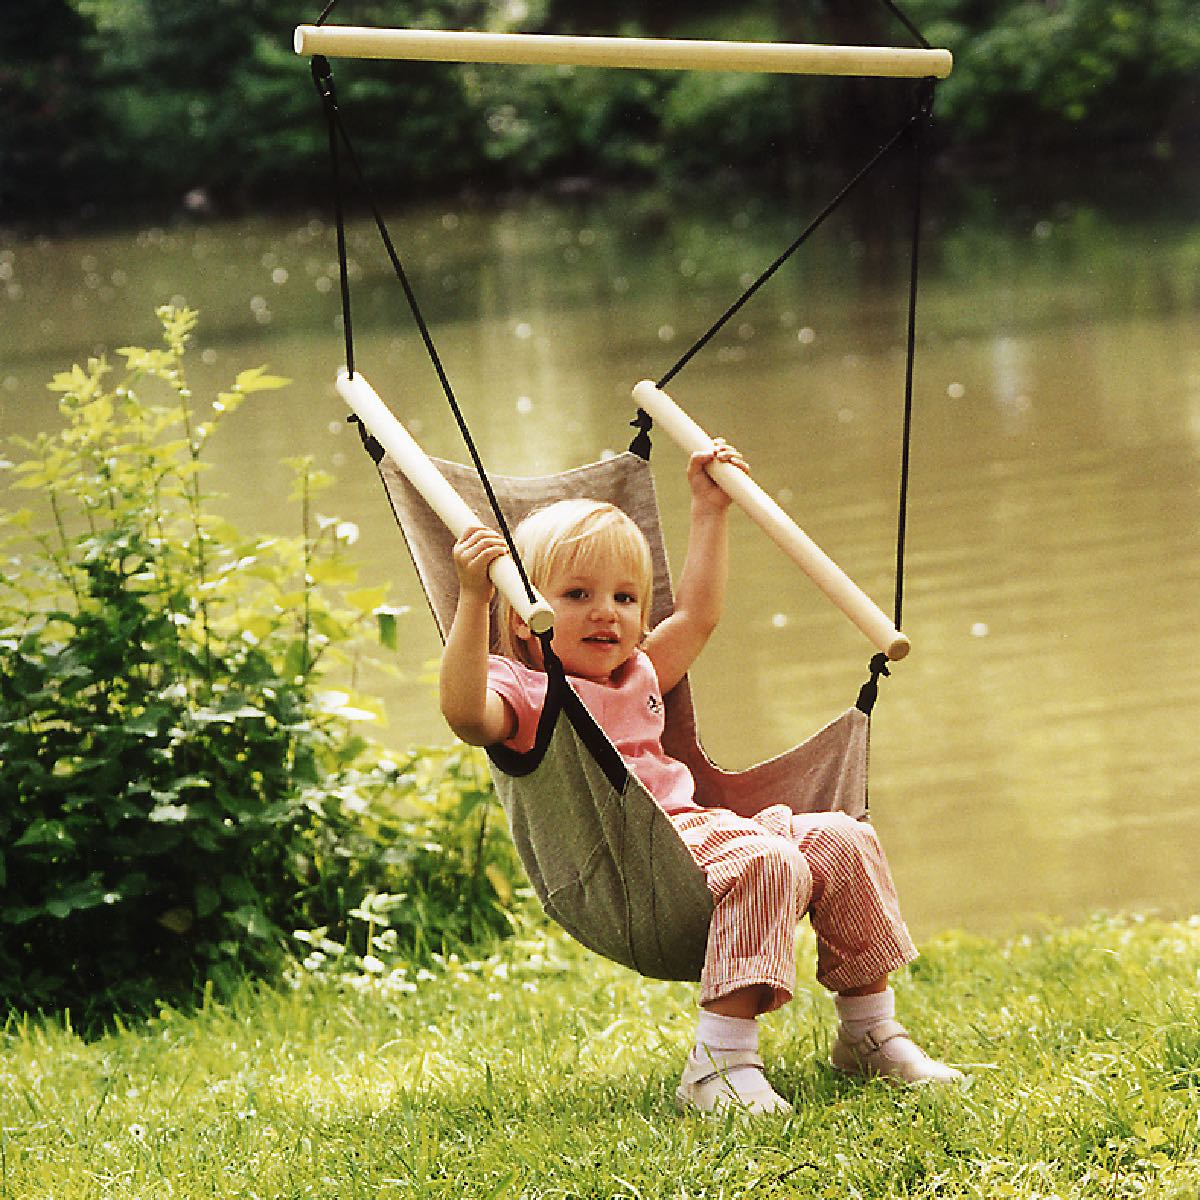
[
  {"x": 887, "y": 1051},
  {"x": 706, "y": 1087}
]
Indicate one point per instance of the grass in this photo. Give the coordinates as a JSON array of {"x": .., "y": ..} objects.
[{"x": 544, "y": 1072}]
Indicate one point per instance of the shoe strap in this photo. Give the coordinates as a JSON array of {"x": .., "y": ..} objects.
[
  {"x": 729, "y": 1060},
  {"x": 879, "y": 1035}
]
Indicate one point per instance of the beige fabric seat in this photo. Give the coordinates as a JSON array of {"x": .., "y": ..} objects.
[{"x": 603, "y": 858}]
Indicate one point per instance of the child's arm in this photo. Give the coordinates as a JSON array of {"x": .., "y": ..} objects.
[
  {"x": 476, "y": 714},
  {"x": 700, "y": 595}
]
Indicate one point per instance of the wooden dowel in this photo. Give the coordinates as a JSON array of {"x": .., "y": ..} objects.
[
  {"x": 437, "y": 492},
  {"x": 539, "y": 49},
  {"x": 782, "y": 530}
]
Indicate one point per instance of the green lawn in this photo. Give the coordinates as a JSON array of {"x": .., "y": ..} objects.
[{"x": 545, "y": 1072}]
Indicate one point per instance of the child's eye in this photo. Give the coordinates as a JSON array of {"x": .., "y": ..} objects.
[
  {"x": 576, "y": 593},
  {"x": 626, "y": 598}
]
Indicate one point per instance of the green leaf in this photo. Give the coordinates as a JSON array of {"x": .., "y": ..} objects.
[
  {"x": 85, "y": 894},
  {"x": 332, "y": 571},
  {"x": 207, "y": 899},
  {"x": 500, "y": 882},
  {"x": 138, "y": 358},
  {"x": 237, "y": 889},
  {"x": 253, "y": 921},
  {"x": 46, "y": 833},
  {"x": 296, "y": 661},
  {"x": 255, "y": 380},
  {"x": 387, "y": 629},
  {"x": 367, "y": 599}
]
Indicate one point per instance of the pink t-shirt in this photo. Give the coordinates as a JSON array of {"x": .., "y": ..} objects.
[{"x": 630, "y": 710}]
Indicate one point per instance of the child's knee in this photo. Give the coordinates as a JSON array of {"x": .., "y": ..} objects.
[
  {"x": 845, "y": 835},
  {"x": 780, "y": 861}
]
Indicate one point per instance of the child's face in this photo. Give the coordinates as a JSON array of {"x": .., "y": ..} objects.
[{"x": 597, "y": 617}]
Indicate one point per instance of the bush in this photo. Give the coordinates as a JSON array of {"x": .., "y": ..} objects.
[{"x": 183, "y": 788}]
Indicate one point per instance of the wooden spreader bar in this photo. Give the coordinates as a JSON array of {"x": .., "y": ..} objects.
[
  {"x": 777, "y": 525},
  {"x": 438, "y": 493},
  {"x": 542, "y": 49}
]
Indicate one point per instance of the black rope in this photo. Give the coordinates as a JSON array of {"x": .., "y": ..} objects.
[
  {"x": 326, "y": 11},
  {"x": 869, "y": 692},
  {"x": 322, "y": 75},
  {"x": 918, "y": 173},
  {"x": 892, "y": 8},
  {"x": 812, "y": 227}
]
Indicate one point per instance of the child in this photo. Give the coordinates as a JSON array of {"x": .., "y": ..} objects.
[{"x": 593, "y": 565}]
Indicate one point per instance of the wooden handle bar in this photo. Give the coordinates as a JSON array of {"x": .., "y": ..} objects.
[
  {"x": 782, "y": 530},
  {"x": 433, "y": 486},
  {"x": 780, "y": 58}
]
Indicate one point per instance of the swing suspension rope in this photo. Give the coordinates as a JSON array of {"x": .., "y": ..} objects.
[{"x": 911, "y": 130}]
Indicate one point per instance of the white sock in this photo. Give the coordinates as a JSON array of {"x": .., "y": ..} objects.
[
  {"x": 859, "y": 1013},
  {"x": 718, "y": 1035},
  {"x": 716, "y": 1032}
]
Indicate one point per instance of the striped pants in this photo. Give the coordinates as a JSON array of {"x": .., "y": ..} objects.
[{"x": 766, "y": 872}]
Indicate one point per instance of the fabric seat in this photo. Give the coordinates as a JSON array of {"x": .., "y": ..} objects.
[{"x": 604, "y": 859}]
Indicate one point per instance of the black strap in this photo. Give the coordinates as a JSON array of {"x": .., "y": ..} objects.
[{"x": 562, "y": 700}]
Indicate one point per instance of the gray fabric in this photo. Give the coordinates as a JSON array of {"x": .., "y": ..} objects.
[{"x": 607, "y": 866}]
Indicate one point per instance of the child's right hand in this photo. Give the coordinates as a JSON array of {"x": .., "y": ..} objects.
[{"x": 473, "y": 554}]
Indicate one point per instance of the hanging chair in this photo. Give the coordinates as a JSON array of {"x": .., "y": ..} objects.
[{"x": 604, "y": 859}]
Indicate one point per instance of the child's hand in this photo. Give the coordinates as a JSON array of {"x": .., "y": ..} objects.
[
  {"x": 705, "y": 493},
  {"x": 473, "y": 553}
]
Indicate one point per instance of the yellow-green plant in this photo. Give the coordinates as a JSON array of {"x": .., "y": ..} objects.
[{"x": 181, "y": 786}]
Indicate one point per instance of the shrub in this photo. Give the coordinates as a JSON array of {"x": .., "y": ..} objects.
[{"x": 182, "y": 786}]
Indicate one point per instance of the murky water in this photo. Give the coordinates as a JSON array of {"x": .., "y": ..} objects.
[{"x": 1037, "y": 753}]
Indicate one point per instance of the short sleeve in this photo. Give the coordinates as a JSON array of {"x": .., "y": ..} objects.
[{"x": 524, "y": 690}]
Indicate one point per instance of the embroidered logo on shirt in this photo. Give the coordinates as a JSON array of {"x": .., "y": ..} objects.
[{"x": 654, "y": 704}]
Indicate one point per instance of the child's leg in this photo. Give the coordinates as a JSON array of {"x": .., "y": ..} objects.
[
  {"x": 760, "y": 886},
  {"x": 861, "y": 938}
]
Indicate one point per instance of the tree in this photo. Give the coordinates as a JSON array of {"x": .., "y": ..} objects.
[{"x": 46, "y": 118}]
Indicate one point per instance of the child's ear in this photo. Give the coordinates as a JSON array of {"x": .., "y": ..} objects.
[{"x": 522, "y": 630}]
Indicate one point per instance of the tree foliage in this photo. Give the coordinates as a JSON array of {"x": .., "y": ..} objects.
[
  {"x": 183, "y": 784},
  {"x": 133, "y": 102}
]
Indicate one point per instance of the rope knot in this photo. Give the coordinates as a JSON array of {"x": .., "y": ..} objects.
[
  {"x": 869, "y": 692},
  {"x": 641, "y": 445},
  {"x": 322, "y": 74}
]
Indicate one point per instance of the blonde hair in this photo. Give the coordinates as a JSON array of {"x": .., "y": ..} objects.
[{"x": 569, "y": 534}]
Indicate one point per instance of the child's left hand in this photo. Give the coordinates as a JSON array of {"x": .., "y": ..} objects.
[{"x": 705, "y": 493}]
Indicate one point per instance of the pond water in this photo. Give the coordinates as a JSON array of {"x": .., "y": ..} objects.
[{"x": 1037, "y": 753}]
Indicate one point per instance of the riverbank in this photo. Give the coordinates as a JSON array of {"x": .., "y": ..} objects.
[{"x": 543, "y": 1071}]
